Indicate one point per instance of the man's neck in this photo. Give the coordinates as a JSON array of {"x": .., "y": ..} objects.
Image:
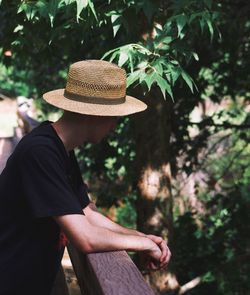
[{"x": 68, "y": 134}]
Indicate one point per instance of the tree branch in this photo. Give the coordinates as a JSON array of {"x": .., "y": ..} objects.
[{"x": 190, "y": 285}]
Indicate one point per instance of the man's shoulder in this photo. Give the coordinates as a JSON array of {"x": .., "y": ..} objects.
[
  {"x": 39, "y": 140},
  {"x": 35, "y": 142}
]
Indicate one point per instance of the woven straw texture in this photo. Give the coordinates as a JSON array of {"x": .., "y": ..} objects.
[{"x": 95, "y": 87}]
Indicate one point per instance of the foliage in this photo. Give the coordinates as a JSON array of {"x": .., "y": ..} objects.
[
  {"x": 163, "y": 44},
  {"x": 126, "y": 214},
  {"x": 109, "y": 166},
  {"x": 12, "y": 81},
  {"x": 217, "y": 249},
  {"x": 215, "y": 245},
  {"x": 67, "y": 25},
  {"x": 157, "y": 58}
]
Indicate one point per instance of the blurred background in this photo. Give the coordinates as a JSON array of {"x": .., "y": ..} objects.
[{"x": 181, "y": 169}]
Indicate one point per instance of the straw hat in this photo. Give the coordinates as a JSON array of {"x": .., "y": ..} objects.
[{"x": 95, "y": 87}]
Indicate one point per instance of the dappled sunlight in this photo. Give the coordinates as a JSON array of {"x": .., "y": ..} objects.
[{"x": 152, "y": 181}]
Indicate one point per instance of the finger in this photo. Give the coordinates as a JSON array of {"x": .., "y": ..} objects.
[
  {"x": 164, "y": 250},
  {"x": 168, "y": 256},
  {"x": 167, "y": 259},
  {"x": 153, "y": 265},
  {"x": 155, "y": 239}
]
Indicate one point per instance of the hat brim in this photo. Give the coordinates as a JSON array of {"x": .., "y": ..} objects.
[{"x": 130, "y": 106}]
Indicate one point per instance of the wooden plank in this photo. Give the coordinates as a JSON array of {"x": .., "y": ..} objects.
[
  {"x": 86, "y": 277},
  {"x": 117, "y": 274},
  {"x": 60, "y": 285},
  {"x": 107, "y": 273}
]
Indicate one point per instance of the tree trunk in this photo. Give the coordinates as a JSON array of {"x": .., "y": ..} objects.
[{"x": 154, "y": 204}]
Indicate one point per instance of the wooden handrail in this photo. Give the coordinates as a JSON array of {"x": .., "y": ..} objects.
[{"x": 106, "y": 273}]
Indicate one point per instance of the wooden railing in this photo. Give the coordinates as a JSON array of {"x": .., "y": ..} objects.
[{"x": 106, "y": 273}]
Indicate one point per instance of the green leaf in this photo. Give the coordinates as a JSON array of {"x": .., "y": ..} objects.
[
  {"x": 150, "y": 79},
  {"x": 122, "y": 58},
  {"x": 109, "y": 53},
  {"x": 21, "y": 7},
  {"x": 193, "y": 16},
  {"x": 195, "y": 55},
  {"x": 131, "y": 61},
  {"x": 68, "y": 2},
  {"x": 42, "y": 8},
  {"x": 92, "y": 8},
  {"x": 158, "y": 67},
  {"x": 142, "y": 77},
  {"x": 188, "y": 80},
  {"x": 133, "y": 77},
  {"x": 114, "y": 55},
  {"x": 164, "y": 86},
  {"x": 175, "y": 73},
  {"x": 167, "y": 40},
  {"x": 28, "y": 10},
  {"x": 116, "y": 23},
  {"x": 181, "y": 21},
  {"x": 210, "y": 27},
  {"x": 80, "y": 5},
  {"x": 52, "y": 9},
  {"x": 202, "y": 24},
  {"x": 18, "y": 28}
]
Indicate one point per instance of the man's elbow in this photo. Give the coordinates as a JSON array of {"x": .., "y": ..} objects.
[
  {"x": 83, "y": 246},
  {"x": 86, "y": 244},
  {"x": 86, "y": 249}
]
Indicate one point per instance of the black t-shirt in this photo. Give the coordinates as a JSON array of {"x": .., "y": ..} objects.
[{"x": 40, "y": 180}]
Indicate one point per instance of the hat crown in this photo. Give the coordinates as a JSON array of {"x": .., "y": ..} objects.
[
  {"x": 95, "y": 87},
  {"x": 96, "y": 78}
]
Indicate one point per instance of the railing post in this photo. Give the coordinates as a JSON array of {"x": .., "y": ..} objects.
[
  {"x": 60, "y": 285},
  {"x": 85, "y": 274}
]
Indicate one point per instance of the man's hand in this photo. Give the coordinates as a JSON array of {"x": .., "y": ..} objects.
[{"x": 165, "y": 254}]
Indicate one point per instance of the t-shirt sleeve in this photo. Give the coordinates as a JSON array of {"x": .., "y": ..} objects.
[
  {"x": 83, "y": 193},
  {"x": 45, "y": 184}
]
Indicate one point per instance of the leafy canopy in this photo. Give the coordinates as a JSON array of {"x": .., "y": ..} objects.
[{"x": 151, "y": 39}]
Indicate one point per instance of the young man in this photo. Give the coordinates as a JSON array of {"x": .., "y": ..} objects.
[{"x": 43, "y": 199}]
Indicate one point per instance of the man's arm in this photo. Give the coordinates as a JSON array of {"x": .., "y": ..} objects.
[
  {"x": 89, "y": 238},
  {"x": 98, "y": 219}
]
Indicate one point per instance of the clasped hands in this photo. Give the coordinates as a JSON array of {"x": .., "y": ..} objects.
[{"x": 159, "y": 256}]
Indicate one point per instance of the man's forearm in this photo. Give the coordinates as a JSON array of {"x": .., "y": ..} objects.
[
  {"x": 104, "y": 239},
  {"x": 99, "y": 219},
  {"x": 90, "y": 238}
]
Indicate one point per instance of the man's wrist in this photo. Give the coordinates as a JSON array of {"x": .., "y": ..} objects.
[
  {"x": 147, "y": 244},
  {"x": 140, "y": 233}
]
